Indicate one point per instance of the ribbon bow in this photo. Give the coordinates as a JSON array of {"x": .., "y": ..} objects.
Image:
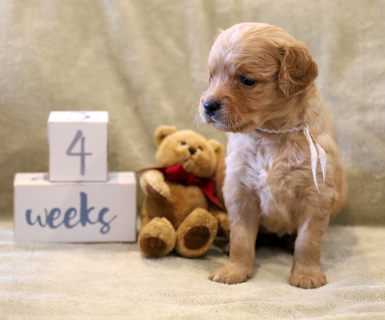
[
  {"x": 321, "y": 154},
  {"x": 177, "y": 174}
]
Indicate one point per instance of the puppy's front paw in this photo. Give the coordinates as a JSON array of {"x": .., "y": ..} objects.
[
  {"x": 308, "y": 280},
  {"x": 231, "y": 274}
]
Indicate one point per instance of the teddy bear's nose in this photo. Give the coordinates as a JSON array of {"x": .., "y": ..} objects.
[{"x": 192, "y": 150}]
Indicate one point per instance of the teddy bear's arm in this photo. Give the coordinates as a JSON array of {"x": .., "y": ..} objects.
[{"x": 153, "y": 184}]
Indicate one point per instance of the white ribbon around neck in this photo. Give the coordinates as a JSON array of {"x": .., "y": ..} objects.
[{"x": 316, "y": 151}]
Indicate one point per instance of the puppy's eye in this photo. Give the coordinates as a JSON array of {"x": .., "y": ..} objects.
[
  {"x": 200, "y": 148},
  {"x": 247, "y": 82},
  {"x": 183, "y": 143}
]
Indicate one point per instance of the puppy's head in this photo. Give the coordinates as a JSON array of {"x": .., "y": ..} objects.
[{"x": 255, "y": 69}]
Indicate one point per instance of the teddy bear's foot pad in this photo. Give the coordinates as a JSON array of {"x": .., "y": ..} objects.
[
  {"x": 196, "y": 237},
  {"x": 196, "y": 233},
  {"x": 153, "y": 246},
  {"x": 157, "y": 238}
]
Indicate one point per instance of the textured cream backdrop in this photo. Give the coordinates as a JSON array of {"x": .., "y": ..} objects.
[{"x": 145, "y": 63}]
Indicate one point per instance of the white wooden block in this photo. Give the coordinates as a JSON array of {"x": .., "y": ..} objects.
[
  {"x": 78, "y": 146},
  {"x": 75, "y": 212}
]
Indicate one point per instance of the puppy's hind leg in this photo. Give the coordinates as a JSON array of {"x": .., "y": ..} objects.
[{"x": 243, "y": 211}]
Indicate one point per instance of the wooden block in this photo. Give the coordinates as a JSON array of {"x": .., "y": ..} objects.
[
  {"x": 75, "y": 212},
  {"x": 78, "y": 146}
]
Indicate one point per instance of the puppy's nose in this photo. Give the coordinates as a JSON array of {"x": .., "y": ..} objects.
[
  {"x": 211, "y": 107},
  {"x": 192, "y": 150}
]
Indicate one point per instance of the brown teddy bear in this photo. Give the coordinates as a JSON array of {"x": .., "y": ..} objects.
[{"x": 180, "y": 210}]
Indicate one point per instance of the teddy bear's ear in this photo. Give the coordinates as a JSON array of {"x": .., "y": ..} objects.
[
  {"x": 218, "y": 148},
  {"x": 162, "y": 132}
]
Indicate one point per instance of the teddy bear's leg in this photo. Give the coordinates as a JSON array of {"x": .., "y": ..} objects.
[
  {"x": 157, "y": 238},
  {"x": 196, "y": 233},
  {"x": 223, "y": 222},
  {"x": 145, "y": 219}
]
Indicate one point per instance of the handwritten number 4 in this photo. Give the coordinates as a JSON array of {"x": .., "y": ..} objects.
[{"x": 82, "y": 153}]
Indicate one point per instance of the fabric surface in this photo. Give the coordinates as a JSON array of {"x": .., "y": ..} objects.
[
  {"x": 145, "y": 62},
  {"x": 113, "y": 281}
]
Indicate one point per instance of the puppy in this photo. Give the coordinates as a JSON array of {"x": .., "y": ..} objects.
[{"x": 262, "y": 91}]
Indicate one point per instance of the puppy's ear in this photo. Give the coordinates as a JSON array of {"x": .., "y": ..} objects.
[
  {"x": 162, "y": 132},
  {"x": 218, "y": 148},
  {"x": 298, "y": 69}
]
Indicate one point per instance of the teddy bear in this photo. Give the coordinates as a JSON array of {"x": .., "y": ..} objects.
[{"x": 180, "y": 210}]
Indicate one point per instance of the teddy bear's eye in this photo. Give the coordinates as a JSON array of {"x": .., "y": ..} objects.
[
  {"x": 183, "y": 143},
  {"x": 200, "y": 148}
]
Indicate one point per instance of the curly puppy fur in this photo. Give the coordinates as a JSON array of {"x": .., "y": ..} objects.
[{"x": 260, "y": 76}]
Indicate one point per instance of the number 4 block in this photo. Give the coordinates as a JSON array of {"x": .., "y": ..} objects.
[{"x": 78, "y": 146}]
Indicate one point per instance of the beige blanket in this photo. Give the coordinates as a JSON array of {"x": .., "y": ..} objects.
[
  {"x": 145, "y": 63},
  {"x": 113, "y": 281}
]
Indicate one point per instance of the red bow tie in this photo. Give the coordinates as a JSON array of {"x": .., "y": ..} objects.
[{"x": 176, "y": 173}]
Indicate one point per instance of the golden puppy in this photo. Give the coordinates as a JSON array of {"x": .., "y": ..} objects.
[{"x": 262, "y": 92}]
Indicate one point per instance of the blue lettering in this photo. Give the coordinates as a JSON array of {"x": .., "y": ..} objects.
[
  {"x": 52, "y": 219},
  {"x": 54, "y": 214},
  {"x": 68, "y": 217},
  {"x": 38, "y": 219},
  {"x": 84, "y": 212},
  {"x": 106, "y": 225}
]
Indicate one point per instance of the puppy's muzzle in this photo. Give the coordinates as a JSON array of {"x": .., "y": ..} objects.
[{"x": 211, "y": 107}]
